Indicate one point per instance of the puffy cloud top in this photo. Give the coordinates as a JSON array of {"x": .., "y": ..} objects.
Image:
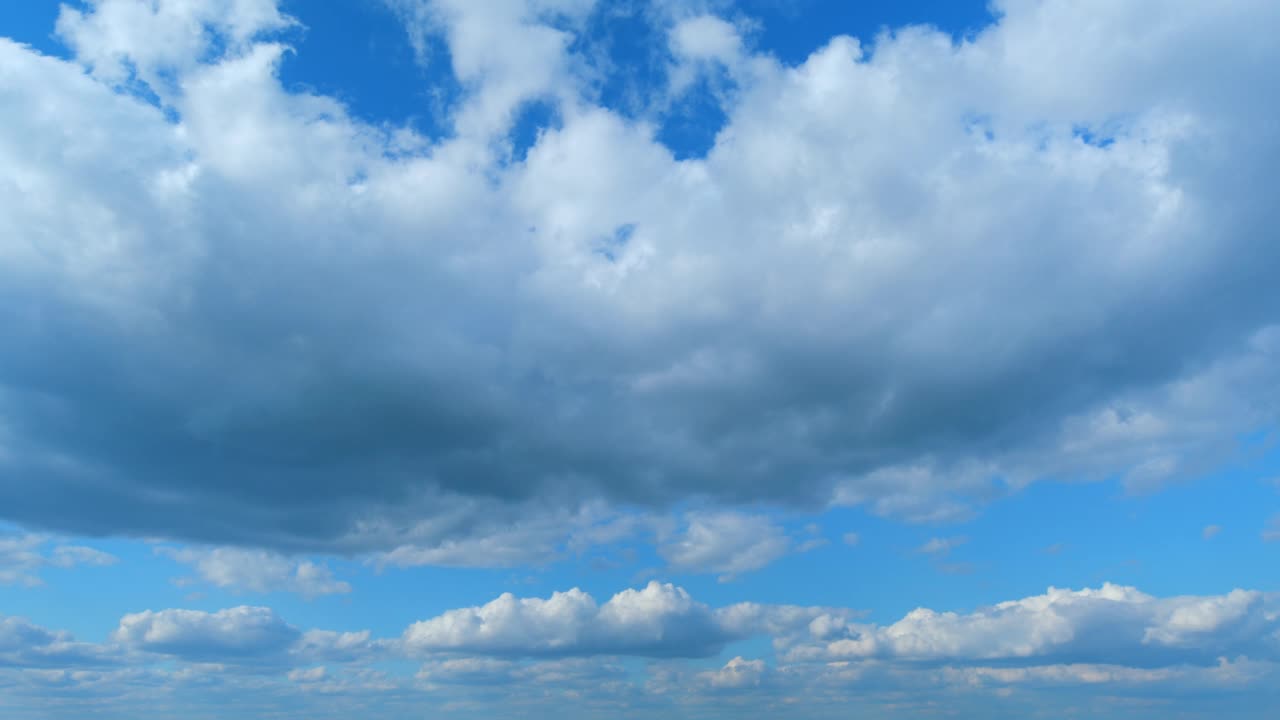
[
  {"x": 660, "y": 620},
  {"x": 1112, "y": 624},
  {"x": 913, "y": 275},
  {"x": 236, "y": 633}
]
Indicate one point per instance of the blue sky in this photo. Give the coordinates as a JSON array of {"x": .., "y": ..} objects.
[{"x": 602, "y": 358}]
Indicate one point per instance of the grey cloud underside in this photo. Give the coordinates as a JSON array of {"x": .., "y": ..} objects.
[{"x": 899, "y": 278}]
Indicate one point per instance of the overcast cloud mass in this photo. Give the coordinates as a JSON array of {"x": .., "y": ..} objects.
[{"x": 259, "y": 345}]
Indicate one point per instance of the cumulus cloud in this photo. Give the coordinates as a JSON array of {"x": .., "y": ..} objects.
[
  {"x": 22, "y": 556},
  {"x": 244, "y": 635},
  {"x": 660, "y": 620},
  {"x": 844, "y": 301},
  {"x": 241, "y": 633},
  {"x": 566, "y": 648},
  {"x": 736, "y": 674},
  {"x": 1108, "y": 625},
  {"x": 258, "y": 571}
]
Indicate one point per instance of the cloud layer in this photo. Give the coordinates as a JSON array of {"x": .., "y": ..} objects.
[
  {"x": 913, "y": 275},
  {"x": 539, "y": 652}
]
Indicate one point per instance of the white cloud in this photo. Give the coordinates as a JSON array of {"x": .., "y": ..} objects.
[
  {"x": 727, "y": 543},
  {"x": 656, "y": 621},
  {"x": 23, "y": 556},
  {"x": 258, "y": 571},
  {"x": 706, "y": 37},
  {"x": 504, "y": 53},
  {"x": 120, "y": 38},
  {"x": 243, "y": 633},
  {"x": 1111, "y": 624},
  {"x": 316, "y": 646},
  {"x": 736, "y": 674},
  {"x": 1210, "y": 531},
  {"x": 25, "y": 645}
]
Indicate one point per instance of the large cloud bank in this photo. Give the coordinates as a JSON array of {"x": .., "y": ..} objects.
[{"x": 912, "y": 275}]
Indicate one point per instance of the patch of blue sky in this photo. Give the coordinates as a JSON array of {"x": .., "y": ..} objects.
[
  {"x": 533, "y": 118},
  {"x": 359, "y": 52},
  {"x": 624, "y": 48},
  {"x": 789, "y": 30},
  {"x": 32, "y": 23},
  {"x": 690, "y": 126}
]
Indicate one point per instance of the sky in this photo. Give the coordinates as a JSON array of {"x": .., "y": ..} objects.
[{"x": 700, "y": 359}]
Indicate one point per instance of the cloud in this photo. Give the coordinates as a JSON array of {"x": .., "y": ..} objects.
[
  {"x": 656, "y": 621},
  {"x": 124, "y": 40},
  {"x": 22, "y": 557},
  {"x": 1210, "y": 531},
  {"x": 842, "y": 302},
  {"x": 309, "y": 675},
  {"x": 941, "y": 546},
  {"x": 706, "y": 37},
  {"x": 26, "y": 645},
  {"x": 736, "y": 674},
  {"x": 1225, "y": 673},
  {"x": 543, "y": 653},
  {"x": 1110, "y": 625},
  {"x": 578, "y": 673},
  {"x": 535, "y": 538},
  {"x": 504, "y": 54},
  {"x": 726, "y": 543},
  {"x": 236, "y": 634},
  {"x": 812, "y": 544},
  {"x": 258, "y": 571}
]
